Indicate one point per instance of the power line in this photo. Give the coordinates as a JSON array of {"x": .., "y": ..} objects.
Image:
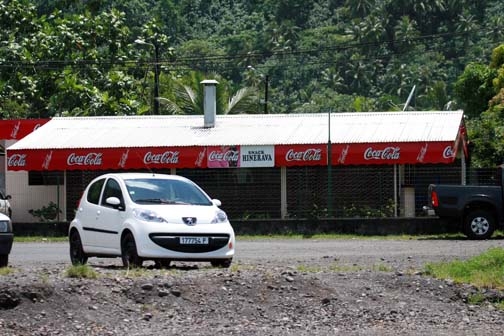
[{"x": 188, "y": 62}]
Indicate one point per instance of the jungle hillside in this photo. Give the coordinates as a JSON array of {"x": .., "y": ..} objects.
[{"x": 138, "y": 57}]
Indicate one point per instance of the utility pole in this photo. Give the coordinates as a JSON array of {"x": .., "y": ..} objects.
[{"x": 156, "y": 73}]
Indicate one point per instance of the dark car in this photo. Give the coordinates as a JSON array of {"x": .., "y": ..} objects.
[{"x": 6, "y": 238}]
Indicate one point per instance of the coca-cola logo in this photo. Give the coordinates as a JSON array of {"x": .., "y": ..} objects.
[
  {"x": 162, "y": 158},
  {"x": 388, "y": 153},
  {"x": 199, "y": 159},
  {"x": 343, "y": 154},
  {"x": 47, "y": 160},
  {"x": 17, "y": 160},
  {"x": 310, "y": 154},
  {"x": 422, "y": 152},
  {"x": 15, "y": 130},
  {"x": 448, "y": 152},
  {"x": 124, "y": 158},
  {"x": 229, "y": 156},
  {"x": 90, "y": 159}
]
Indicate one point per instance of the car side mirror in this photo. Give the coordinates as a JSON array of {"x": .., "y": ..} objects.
[
  {"x": 114, "y": 202},
  {"x": 216, "y": 202},
  {"x": 8, "y": 197}
]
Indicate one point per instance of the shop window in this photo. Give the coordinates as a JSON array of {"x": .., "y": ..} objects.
[{"x": 45, "y": 178}]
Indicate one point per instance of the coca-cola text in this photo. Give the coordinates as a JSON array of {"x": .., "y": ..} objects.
[
  {"x": 17, "y": 160},
  {"x": 90, "y": 159},
  {"x": 388, "y": 153},
  {"x": 168, "y": 157},
  {"x": 310, "y": 154}
]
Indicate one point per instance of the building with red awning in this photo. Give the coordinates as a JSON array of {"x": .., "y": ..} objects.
[
  {"x": 146, "y": 142},
  {"x": 278, "y": 141}
]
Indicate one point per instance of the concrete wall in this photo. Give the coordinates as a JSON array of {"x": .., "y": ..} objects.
[
  {"x": 25, "y": 197},
  {"x": 306, "y": 227}
]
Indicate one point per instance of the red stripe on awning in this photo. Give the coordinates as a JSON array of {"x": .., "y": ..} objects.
[
  {"x": 15, "y": 129},
  {"x": 198, "y": 157},
  {"x": 106, "y": 158},
  {"x": 393, "y": 153}
]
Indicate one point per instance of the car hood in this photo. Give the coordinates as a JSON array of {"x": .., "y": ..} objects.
[{"x": 181, "y": 214}]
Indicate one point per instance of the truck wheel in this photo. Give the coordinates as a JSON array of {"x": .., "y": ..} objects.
[{"x": 479, "y": 224}]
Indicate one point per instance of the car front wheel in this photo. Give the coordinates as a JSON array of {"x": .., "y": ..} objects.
[
  {"x": 77, "y": 255},
  {"x": 479, "y": 224},
  {"x": 4, "y": 260},
  {"x": 129, "y": 252},
  {"x": 162, "y": 263}
]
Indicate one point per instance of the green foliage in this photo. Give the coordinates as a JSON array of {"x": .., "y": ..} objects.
[
  {"x": 46, "y": 213},
  {"x": 364, "y": 211},
  {"x": 79, "y": 58},
  {"x": 483, "y": 271},
  {"x": 474, "y": 88}
]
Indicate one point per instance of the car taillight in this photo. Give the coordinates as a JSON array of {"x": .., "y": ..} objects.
[{"x": 434, "y": 199}]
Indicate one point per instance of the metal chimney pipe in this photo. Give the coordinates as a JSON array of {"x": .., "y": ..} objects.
[{"x": 209, "y": 102}]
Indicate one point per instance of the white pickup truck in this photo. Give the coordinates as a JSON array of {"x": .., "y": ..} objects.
[{"x": 5, "y": 207}]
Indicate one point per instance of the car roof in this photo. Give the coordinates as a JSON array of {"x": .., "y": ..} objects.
[{"x": 133, "y": 176}]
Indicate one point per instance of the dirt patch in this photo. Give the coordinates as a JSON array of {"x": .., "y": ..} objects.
[{"x": 247, "y": 299}]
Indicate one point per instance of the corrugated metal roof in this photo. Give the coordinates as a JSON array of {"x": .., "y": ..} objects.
[{"x": 265, "y": 129}]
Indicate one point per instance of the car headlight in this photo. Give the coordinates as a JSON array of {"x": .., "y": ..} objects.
[
  {"x": 220, "y": 217},
  {"x": 148, "y": 216},
  {"x": 5, "y": 226}
]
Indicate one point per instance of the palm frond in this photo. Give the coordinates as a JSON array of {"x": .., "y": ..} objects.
[{"x": 243, "y": 101}]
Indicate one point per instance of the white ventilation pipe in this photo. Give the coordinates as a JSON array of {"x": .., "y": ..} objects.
[{"x": 209, "y": 102}]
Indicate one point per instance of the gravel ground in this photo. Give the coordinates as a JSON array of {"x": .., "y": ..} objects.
[{"x": 277, "y": 296}]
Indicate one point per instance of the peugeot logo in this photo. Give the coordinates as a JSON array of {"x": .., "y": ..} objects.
[{"x": 189, "y": 220}]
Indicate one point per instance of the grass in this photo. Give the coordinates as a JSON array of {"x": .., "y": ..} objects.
[
  {"x": 6, "y": 271},
  {"x": 485, "y": 270},
  {"x": 482, "y": 271},
  {"x": 39, "y": 239},
  {"x": 81, "y": 271}
]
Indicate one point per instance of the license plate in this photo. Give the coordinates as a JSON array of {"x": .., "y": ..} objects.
[{"x": 194, "y": 240}]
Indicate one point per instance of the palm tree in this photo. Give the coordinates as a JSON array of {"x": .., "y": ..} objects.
[{"x": 187, "y": 97}]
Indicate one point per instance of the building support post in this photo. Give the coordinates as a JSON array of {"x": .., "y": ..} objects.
[{"x": 283, "y": 192}]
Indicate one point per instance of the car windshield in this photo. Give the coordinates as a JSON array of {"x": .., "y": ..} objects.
[{"x": 165, "y": 191}]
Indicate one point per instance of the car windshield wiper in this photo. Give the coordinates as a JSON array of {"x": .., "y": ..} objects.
[{"x": 158, "y": 201}]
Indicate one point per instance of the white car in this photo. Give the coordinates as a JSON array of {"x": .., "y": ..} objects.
[
  {"x": 5, "y": 206},
  {"x": 145, "y": 216}
]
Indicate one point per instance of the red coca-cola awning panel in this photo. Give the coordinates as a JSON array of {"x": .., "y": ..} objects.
[
  {"x": 106, "y": 158},
  {"x": 300, "y": 155},
  {"x": 393, "y": 153},
  {"x": 214, "y": 157},
  {"x": 15, "y": 129}
]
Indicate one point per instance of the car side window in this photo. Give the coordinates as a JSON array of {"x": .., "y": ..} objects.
[
  {"x": 93, "y": 195},
  {"x": 112, "y": 189}
]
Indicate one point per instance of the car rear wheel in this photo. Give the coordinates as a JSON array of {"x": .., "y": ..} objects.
[
  {"x": 223, "y": 263},
  {"x": 129, "y": 252},
  {"x": 77, "y": 255},
  {"x": 4, "y": 260},
  {"x": 479, "y": 224}
]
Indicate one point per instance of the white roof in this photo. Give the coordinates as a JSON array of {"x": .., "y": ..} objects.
[{"x": 264, "y": 129}]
